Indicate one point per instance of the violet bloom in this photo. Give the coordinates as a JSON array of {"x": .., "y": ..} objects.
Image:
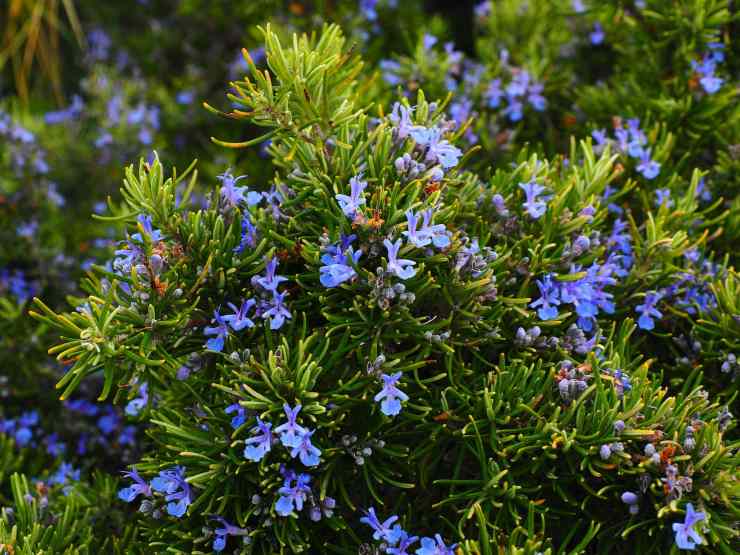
[
  {"x": 139, "y": 487},
  {"x": 222, "y": 534},
  {"x": 306, "y": 451},
  {"x": 276, "y": 310},
  {"x": 663, "y": 196},
  {"x": 290, "y": 432},
  {"x": 597, "y": 35},
  {"x": 220, "y": 330},
  {"x": 351, "y": 204},
  {"x": 249, "y": 235},
  {"x": 134, "y": 406},
  {"x": 240, "y": 417},
  {"x": 239, "y": 320},
  {"x": 177, "y": 491},
  {"x": 549, "y": 298},
  {"x": 435, "y": 546},
  {"x": 494, "y": 93},
  {"x": 337, "y": 268},
  {"x": 381, "y": 530},
  {"x": 600, "y": 139},
  {"x": 535, "y": 98},
  {"x": 439, "y": 150},
  {"x": 271, "y": 280},
  {"x": 390, "y": 396},
  {"x": 401, "y": 118},
  {"x": 533, "y": 205},
  {"x": 686, "y": 535},
  {"x": 514, "y": 109},
  {"x": 292, "y": 496},
  {"x": 648, "y": 311},
  {"x": 401, "y": 267},
  {"x": 258, "y": 445},
  {"x": 647, "y": 167},
  {"x": 404, "y": 542},
  {"x": 437, "y": 233}
]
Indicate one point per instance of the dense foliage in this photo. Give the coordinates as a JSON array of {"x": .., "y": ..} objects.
[{"x": 409, "y": 299}]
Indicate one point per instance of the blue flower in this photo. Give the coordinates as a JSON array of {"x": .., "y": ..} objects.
[
  {"x": 177, "y": 491},
  {"x": 439, "y": 150},
  {"x": 276, "y": 310},
  {"x": 648, "y": 311},
  {"x": 647, "y": 167},
  {"x": 290, "y": 432},
  {"x": 390, "y": 396},
  {"x": 404, "y": 542},
  {"x": 337, "y": 263},
  {"x": 381, "y": 530},
  {"x": 549, "y": 298},
  {"x": 249, "y": 235},
  {"x": 220, "y": 330},
  {"x": 232, "y": 194},
  {"x": 134, "y": 406},
  {"x": 222, "y": 534},
  {"x": 686, "y": 536},
  {"x": 533, "y": 205},
  {"x": 402, "y": 267},
  {"x": 401, "y": 118},
  {"x": 436, "y": 234},
  {"x": 259, "y": 445},
  {"x": 597, "y": 35},
  {"x": 139, "y": 487},
  {"x": 292, "y": 496},
  {"x": 240, "y": 417},
  {"x": 435, "y": 546},
  {"x": 535, "y": 98},
  {"x": 271, "y": 280},
  {"x": 663, "y": 196},
  {"x": 494, "y": 93},
  {"x": 239, "y": 320},
  {"x": 307, "y": 452},
  {"x": 351, "y": 204}
]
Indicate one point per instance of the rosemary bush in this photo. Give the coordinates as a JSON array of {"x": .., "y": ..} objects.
[{"x": 442, "y": 302}]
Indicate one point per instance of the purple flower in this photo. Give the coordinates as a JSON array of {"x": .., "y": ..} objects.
[
  {"x": 648, "y": 311},
  {"x": 239, "y": 320},
  {"x": 276, "y": 310},
  {"x": 292, "y": 496},
  {"x": 549, "y": 298},
  {"x": 220, "y": 330},
  {"x": 514, "y": 109},
  {"x": 241, "y": 414},
  {"x": 139, "y": 487},
  {"x": 663, "y": 196},
  {"x": 249, "y": 235},
  {"x": 134, "y": 406},
  {"x": 601, "y": 140},
  {"x": 435, "y": 546},
  {"x": 258, "y": 445},
  {"x": 381, "y": 530},
  {"x": 535, "y": 98},
  {"x": 439, "y": 150},
  {"x": 351, "y": 204},
  {"x": 494, "y": 93},
  {"x": 401, "y": 118},
  {"x": 177, "y": 491},
  {"x": 390, "y": 396},
  {"x": 686, "y": 536},
  {"x": 291, "y": 433},
  {"x": 436, "y": 234},
  {"x": 402, "y": 267},
  {"x": 307, "y": 452},
  {"x": 533, "y": 205},
  {"x": 404, "y": 541},
  {"x": 233, "y": 195},
  {"x": 597, "y": 35},
  {"x": 647, "y": 167},
  {"x": 219, "y": 542},
  {"x": 337, "y": 268},
  {"x": 270, "y": 281}
]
